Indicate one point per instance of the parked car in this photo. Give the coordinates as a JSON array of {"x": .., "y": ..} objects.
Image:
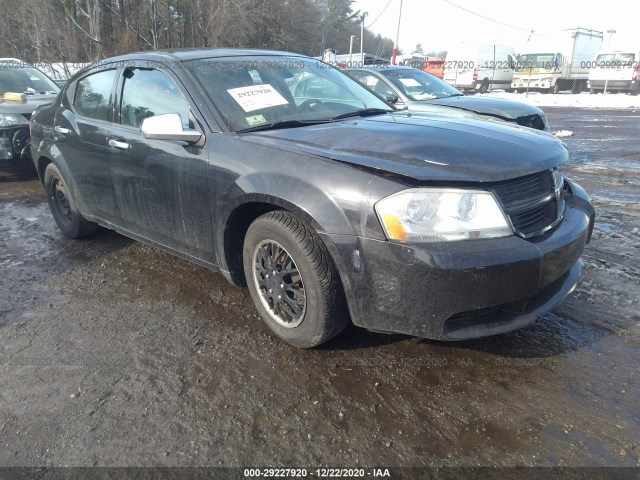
[
  {"x": 23, "y": 88},
  {"x": 617, "y": 70},
  {"x": 330, "y": 210},
  {"x": 422, "y": 92}
]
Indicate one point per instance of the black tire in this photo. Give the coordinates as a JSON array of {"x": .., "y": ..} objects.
[
  {"x": 324, "y": 313},
  {"x": 555, "y": 88},
  {"x": 62, "y": 206},
  {"x": 484, "y": 87},
  {"x": 576, "y": 87}
]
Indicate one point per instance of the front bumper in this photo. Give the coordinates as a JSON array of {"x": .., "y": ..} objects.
[
  {"x": 14, "y": 145},
  {"x": 618, "y": 85},
  {"x": 532, "y": 85},
  {"x": 466, "y": 289}
]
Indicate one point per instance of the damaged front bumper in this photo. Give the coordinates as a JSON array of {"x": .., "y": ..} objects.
[
  {"x": 466, "y": 289},
  {"x": 14, "y": 145}
]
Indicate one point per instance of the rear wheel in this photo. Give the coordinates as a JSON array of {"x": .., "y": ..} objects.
[
  {"x": 576, "y": 87},
  {"x": 484, "y": 87},
  {"x": 292, "y": 280},
  {"x": 63, "y": 210}
]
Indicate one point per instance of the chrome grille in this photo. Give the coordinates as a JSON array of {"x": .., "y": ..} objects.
[{"x": 531, "y": 203}]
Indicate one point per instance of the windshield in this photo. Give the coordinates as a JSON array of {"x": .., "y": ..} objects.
[
  {"x": 616, "y": 60},
  {"x": 536, "y": 60},
  {"x": 23, "y": 79},
  {"x": 253, "y": 92},
  {"x": 419, "y": 85}
]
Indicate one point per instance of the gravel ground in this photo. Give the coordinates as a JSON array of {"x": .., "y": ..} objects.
[{"x": 113, "y": 353}]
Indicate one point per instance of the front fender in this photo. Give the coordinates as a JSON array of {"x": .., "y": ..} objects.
[{"x": 321, "y": 209}]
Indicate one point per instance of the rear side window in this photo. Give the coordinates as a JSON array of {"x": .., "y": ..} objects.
[
  {"x": 150, "y": 92},
  {"x": 93, "y": 93}
]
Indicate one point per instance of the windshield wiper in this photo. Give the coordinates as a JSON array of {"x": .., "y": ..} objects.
[
  {"x": 365, "y": 112},
  {"x": 282, "y": 124}
]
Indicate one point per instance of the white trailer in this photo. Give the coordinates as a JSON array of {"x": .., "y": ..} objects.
[{"x": 558, "y": 63}]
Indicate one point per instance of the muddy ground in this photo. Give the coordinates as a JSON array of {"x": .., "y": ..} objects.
[{"x": 113, "y": 353}]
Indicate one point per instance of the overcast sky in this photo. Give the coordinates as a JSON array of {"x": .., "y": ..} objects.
[{"x": 437, "y": 23}]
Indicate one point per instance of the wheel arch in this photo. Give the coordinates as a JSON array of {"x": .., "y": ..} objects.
[
  {"x": 41, "y": 165},
  {"x": 234, "y": 226}
]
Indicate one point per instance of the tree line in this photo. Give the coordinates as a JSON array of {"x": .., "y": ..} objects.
[{"x": 89, "y": 30}]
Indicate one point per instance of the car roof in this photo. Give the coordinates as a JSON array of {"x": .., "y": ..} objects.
[
  {"x": 186, "y": 54},
  {"x": 7, "y": 61}
]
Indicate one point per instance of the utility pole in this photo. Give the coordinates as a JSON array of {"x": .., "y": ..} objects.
[
  {"x": 395, "y": 45},
  {"x": 351, "y": 51},
  {"x": 364, "y": 14}
]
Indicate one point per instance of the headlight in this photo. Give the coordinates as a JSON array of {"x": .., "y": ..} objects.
[
  {"x": 12, "y": 120},
  {"x": 438, "y": 215}
]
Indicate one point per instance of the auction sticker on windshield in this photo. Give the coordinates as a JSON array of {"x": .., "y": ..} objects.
[
  {"x": 410, "y": 82},
  {"x": 256, "y": 97}
]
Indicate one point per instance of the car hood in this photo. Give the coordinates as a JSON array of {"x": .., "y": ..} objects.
[
  {"x": 425, "y": 147},
  {"x": 26, "y": 108},
  {"x": 498, "y": 107}
]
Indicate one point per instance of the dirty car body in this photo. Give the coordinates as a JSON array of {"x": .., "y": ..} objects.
[
  {"x": 419, "y": 91},
  {"x": 430, "y": 225},
  {"x": 18, "y": 78}
]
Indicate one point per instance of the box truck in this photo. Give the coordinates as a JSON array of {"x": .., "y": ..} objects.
[{"x": 561, "y": 62}]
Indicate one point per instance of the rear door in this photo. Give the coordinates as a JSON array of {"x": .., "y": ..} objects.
[
  {"x": 82, "y": 126},
  {"x": 460, "y": 66},
  {"x": 162, "y": 186}
]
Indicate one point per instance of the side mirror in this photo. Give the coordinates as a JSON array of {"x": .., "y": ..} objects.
[
  {"x": 168, "y": 127},
  {"x": 391, "y": 98}
]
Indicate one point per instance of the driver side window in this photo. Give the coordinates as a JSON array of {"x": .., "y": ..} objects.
[
  {"x": 374, "y": 83},
  {"x": 146, "y": 93}
]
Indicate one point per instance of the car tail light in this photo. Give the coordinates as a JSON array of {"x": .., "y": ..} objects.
[
  {"x": 636, "y": 69},
  {"x": 475, "y": 74}
]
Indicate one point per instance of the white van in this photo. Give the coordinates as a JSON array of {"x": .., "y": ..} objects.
[
  {"x": 485, "y": 67},
  {"x": 617, "y": 70}
]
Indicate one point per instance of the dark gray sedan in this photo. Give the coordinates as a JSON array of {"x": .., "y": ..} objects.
[
  {"x": 290, "y": 177},
  {"x": 419, "y": 91},
  {"x": 23, "y": 88}
]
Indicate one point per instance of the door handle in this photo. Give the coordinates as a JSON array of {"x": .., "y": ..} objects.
[
  {"x": 119, "y": 145},
  {"x": 62, "y": 130}
]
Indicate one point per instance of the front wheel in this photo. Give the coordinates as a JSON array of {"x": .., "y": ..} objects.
[
  {"x": 293, "y": 281},
  {"x": 63, "y": 210}
]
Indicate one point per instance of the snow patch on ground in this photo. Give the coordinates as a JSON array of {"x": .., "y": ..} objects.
[
  {"x": 584, "y": 100},
  {"x": 563, "y": 133}
]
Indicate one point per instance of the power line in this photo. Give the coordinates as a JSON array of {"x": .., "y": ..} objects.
[
  {"x": 381, "y": 13},
  {"x": 486, "y": 18}
]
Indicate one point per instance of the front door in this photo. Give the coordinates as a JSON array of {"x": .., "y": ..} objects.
[{"x": 162, "y": 186}]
